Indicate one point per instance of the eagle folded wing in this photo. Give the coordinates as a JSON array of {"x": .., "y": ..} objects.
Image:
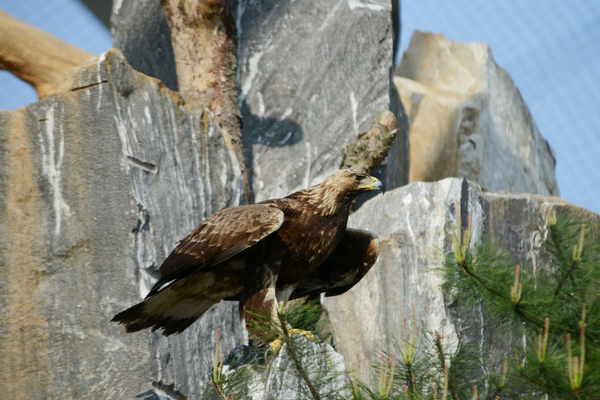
[
  {"x": 220, "y": 237},
  {"x": 345, "y": 267}
]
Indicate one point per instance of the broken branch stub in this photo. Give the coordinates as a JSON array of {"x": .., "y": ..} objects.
[{"x": 371, "y": 147}]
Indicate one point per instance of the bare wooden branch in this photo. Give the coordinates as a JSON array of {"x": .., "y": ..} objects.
[
  {"x": 371, "y": 147},
  {"x": 44, "y": 61},
  {"x": 204, "y": 42}
]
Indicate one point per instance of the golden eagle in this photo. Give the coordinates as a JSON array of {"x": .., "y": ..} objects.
[{"x": 260, "y": 254}]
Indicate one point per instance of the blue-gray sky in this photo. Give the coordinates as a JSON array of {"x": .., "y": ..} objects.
[{"x": 551, "y": 48}]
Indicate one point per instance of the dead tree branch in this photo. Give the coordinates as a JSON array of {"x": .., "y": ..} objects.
[
  {"x": 204, "y": 43},
  {"x": 44, "y": 61}
]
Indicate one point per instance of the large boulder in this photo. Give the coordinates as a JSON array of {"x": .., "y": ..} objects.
[
  {"x": 415, "y": 224},
  {"x": 468, "y": 119},
  {"x": 98, "y": 185},
  {"x": 313, "y": 75}
]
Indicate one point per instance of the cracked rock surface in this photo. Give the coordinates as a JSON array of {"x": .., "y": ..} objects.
[
  {"x": 99, "y": 183},
  {"x": 97, "y": 186},
  {"x": 312, "y": 77}
]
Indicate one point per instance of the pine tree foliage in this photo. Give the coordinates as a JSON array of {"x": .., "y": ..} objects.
[{"x": 552, "y": 313}]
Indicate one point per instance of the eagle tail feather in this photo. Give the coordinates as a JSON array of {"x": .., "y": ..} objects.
[{"x": 156, "y": 313}]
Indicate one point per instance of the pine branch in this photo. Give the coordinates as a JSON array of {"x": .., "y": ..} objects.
[
  {"x": 565, "y": 277},
  {"x": 519, "y": 310},
  {"x": 576, "y": 259},
  {"x": 218, "y": 370},
  {"x": 292, "y": 352},
  {"x": 439, "y": 349}
]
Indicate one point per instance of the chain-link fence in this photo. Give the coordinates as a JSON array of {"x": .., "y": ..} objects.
[{"x": 551, "y": 48}]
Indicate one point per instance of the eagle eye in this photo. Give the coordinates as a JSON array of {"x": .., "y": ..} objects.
[{"x": 359, "y": 177}]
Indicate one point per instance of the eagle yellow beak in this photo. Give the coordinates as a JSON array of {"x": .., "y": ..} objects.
[{"x": 374, "y": 185}]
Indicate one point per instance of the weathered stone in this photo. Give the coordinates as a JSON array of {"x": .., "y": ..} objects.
[
  {"x": 97, "y": 186},
  {"x": 141, "y": 32},
  {"x": 415, "y": 224},
  {"x": 313, "y": 75},
  {"x": 201, "y": 37},
  {"x": 99, "y": 183},
  {"x": 468, "y": 120}
]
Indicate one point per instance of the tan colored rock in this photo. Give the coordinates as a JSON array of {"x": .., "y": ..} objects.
[{"x": 468, "y": 120}]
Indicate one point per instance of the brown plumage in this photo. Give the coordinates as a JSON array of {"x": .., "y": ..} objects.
[{"x": 260, "y": 254}]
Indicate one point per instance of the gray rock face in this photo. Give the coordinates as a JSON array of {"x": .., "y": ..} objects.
[
  {"x": 98, "y": 184},
  {"x": 141, "y": 32},
  {"x": 468, "y": 119},
  {"x": 415, "y": 225},
  {"x": 312, "y": 76}
]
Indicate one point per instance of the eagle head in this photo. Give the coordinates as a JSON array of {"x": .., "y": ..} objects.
[
  {"x": 339, "y": 190},
  {"x": 361, "y": 183}
]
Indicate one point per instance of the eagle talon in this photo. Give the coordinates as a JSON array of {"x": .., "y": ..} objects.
[
  {"x": 276, "y": 344},
  {"x": 307, "y": 334}
]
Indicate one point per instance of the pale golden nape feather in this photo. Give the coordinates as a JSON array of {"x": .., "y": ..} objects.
[
  {"x": 325, "y": 197},
  {"x": 335, "y": 192}
]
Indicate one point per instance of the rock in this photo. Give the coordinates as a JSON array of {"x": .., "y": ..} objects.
[
  {"x": 312, "y": 77},
  {"x": 141, "y": 32},
  {"x": 280, "y": 379},
  {"x": 97, "y": 186},
  {"x": 415, "y": 225},
  {"x": 468, "y": 120},
  {"x": 99, "y": 183}
]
